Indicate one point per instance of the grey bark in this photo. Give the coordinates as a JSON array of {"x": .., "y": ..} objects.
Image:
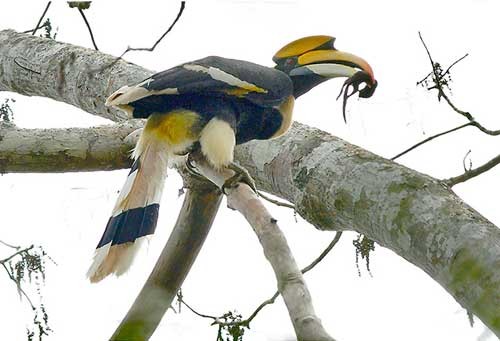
[
  {"x": 335, "y": 186},
  {"x": 66, "y": 150},
  {"x": 34, "y": 66}
]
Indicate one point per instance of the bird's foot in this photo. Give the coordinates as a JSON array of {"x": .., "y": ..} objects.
[
  {"x": 192, "y": 168},
  {"x": 241, "y": 175}
]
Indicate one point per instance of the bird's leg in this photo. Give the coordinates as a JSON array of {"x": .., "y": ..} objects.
[{"x": 241, "y": 175}]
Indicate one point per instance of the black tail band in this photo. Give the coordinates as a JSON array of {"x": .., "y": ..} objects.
[{"x": 130, "y": 225}]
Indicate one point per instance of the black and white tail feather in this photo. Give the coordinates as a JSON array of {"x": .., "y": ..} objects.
[{"x": 135, "y": 214}]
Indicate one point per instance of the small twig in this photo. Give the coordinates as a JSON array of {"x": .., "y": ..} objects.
[
  {"x": 441, "y": 93},
  {"x": 304, "y": 270},
  {"x": 424, "y": 79},
  {"x": 37, "y": 27},
  {"x": 444, "y": 73},
  {"x": 261, "y": 306},
  {"x": 5, "y": 260},
  {"x": 431, "y": 138},
  {"x": 276, "y": 202},
  {"x": 19, "y": 288},
  {"x": 150, "y": 49},
  {"x": 470, "y": 117},
  {"x": 324, "y": 253},
  {"x": 453, "y": 64},
  {"x": 45, "y": 24},
  {"x": 181, "y": 300},
  {"x": 88, "y": 27},
  {"x": 430, "y": 57},
  {"x": 473, "y": 172},
  {"x": 183, "y": 4},
  {"x": 9, "y": 245},
  {"x": 469, "y": 173},
  {"x": 470, "y": 162},
  {"x": 270, "y": 300}
]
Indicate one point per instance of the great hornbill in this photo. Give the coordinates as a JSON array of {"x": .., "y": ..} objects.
[{"x": 213, "y": 104}]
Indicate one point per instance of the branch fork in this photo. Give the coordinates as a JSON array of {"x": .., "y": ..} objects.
[{"x": 291, "y": 283}]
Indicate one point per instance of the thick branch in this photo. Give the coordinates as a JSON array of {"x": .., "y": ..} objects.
[
  {"x": 65, "y": 150},
  {"x": 334, "y": 185},
  {"x": 35, "y": 66},
  {"x": 193, "y": 224}
]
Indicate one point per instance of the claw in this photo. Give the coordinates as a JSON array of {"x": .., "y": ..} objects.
[
  {"x": 192, "y": 169},
  {"x": 241, "y": 175}
]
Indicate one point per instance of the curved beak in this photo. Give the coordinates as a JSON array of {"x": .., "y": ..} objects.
[{"x": 334, "y": 63}]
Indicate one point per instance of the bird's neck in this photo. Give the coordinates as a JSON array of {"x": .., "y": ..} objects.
[{"x": 302, "y": 84}]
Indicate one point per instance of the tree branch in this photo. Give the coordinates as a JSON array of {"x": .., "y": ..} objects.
[
  {"x": 5, "y": 260},
  {"x": 31, "y": 70},
  {"x": 9, "y": 245},
  {"x": 193, "y": 224},
  {"x": 438, "y": 84},
  {"x": 45, "y": 24},
  {"x": 291, "y": 283},
  {"x": 27, "y": 265},
  {"x": 88, "y": 28},
  {"x": 430, "y": 138},
  {"x": 149, "y": 49},
  {"x": 469, "y": 174},
  {"x": 66, "y": 150},
  {"x": 453, "y": 64},
  {"x": 179, "y": 14},
  {"x": 33, "y": 31}
]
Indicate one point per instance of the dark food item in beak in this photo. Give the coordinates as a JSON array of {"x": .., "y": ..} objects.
[{"x": 354, "y": 82}]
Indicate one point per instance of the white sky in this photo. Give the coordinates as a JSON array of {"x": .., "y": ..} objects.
[{"x": 66, "y": 213}]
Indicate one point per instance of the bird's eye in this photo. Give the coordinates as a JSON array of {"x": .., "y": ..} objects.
[{"x": 289, "y": 61}]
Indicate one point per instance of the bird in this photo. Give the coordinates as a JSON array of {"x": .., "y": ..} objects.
[{"x": 211, "y": 105}]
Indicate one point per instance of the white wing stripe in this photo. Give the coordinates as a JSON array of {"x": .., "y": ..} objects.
[{"x": 223, "y": 76}]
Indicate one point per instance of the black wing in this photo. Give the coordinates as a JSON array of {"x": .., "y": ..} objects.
[{"x": 218, "y": 76}]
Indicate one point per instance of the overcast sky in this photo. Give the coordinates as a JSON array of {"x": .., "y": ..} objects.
[{"x": 66, "y": 213}]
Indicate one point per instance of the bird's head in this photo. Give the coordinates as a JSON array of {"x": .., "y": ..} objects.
[{"x": 312, "y": 60}]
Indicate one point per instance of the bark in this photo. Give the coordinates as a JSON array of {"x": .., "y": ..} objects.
[
  {"x": 82, "y": 77},
  {"x": 66, "y": 150},
  {"x": 335, "y": 185},
  {"x": 191, "y": 229}
]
